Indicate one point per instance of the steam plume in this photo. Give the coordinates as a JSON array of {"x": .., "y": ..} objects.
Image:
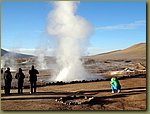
[
  {"x": 71, "y": 32},
  {"x": 8, "y": 60}
]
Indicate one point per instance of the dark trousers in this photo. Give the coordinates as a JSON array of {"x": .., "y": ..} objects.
[
  {"x": 33, "y": 86},
  {"x": 7, "y": 87},
  {"x": 20, "y": 87}
]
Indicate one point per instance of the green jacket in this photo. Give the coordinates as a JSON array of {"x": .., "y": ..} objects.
[{"x": 115, "y": 82}]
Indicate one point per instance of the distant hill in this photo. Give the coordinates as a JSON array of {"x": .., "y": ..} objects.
[
  {"x": 137, "y": 51},
  {"x": 3, "y": 52},
  {"x": 17, "y": 55}
]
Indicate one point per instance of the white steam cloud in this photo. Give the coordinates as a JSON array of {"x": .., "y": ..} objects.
[
  {"x": 8, "y": 60},
  {"x": 71, "y": 32},
  {"x": 41, "y": 62}
]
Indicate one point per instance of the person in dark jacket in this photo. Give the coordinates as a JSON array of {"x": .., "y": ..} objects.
[
  {"x": 20, "y": 76},
  {"x": 8, "y": 80},
  {"x": 33, "y": 78},
  {"x": 1, "y": 70}
]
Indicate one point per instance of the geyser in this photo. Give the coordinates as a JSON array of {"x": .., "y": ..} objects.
[{"x": 71, "y": 32}]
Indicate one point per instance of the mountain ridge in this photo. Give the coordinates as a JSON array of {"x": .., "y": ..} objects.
[
  {"x": 17, "y": 55},
  {"x": 132, "y": 52}
]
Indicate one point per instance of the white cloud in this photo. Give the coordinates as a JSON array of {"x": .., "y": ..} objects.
[{"x": 133, "y": 25}]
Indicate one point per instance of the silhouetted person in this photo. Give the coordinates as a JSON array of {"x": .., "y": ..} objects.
[
  {"x": 33, "y": 78},
  {"x": 1, "y": 70},
  {"x": 20, "y": 76},
  {"x": 8, "y": 80}
]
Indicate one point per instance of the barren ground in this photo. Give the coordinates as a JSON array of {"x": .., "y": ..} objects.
[{"x": 132, "y": 96}]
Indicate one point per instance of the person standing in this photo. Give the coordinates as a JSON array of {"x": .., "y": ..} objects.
[
  {"x": 1, "y": 70},
  {"x": 20, "y": 76},
  {"x": 33, "y": 78},
  {"x": 8, "y": 80},
  {"x": 115, "y": 85}
]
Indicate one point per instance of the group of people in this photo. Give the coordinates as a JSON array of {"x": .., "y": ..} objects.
[
  {"x": 115, "y": 85},
  {"x": 20, "y": 77}
]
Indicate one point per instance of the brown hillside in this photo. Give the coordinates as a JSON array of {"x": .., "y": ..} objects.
[{"x": 137, "y": 51}]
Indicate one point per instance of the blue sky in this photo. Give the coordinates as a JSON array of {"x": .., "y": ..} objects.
[{"x": 117, "y": 25}]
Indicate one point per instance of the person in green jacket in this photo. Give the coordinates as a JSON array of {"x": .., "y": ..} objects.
[{"x": 115, "y": 85}]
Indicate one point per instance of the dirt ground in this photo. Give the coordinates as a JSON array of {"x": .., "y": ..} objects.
[{"x": 132, "y": 96}]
